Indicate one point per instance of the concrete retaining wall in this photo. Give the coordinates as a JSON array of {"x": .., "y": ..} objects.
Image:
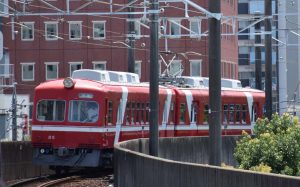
[
  {"x": 16, "y": 161},
  {"x": 134, "y": 168}
]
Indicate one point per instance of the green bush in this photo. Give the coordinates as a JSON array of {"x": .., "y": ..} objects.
[{"x": 276, "y": 145}]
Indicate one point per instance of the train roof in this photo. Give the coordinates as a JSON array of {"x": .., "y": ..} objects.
[{"x": 106, "y": 76}]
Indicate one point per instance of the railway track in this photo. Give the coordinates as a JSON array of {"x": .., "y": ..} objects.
[
  {"x": 98, "y": 178},
  {"x": 59, "y": 181}
]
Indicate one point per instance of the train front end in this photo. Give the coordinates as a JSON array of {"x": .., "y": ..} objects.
[{"x": 67, "y": 127}]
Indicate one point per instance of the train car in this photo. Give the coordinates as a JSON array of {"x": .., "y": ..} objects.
[{"x": 77, "y": 121}]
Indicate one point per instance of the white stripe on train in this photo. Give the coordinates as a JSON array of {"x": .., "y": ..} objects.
[{"x": 59, "y": 128}]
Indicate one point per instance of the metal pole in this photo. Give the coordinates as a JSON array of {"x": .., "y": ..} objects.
[
  {"x": 257, "y": 56},
  {"x": 131, "y": 32},
  {"x": 14, "y": 113},
  {"x": 154, "y": 52},
  {"x": 215, "y": 141},
  {"x": 281, "y": 70},
  {"x": 268, "y": 53}
]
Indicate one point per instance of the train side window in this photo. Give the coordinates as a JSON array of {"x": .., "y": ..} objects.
[
  {"x": 133, "y": 113},
  {"x": 237, "y": 114},
  {"x": 244, "y": 113},
  {"x": 171, "y": 116},
  {"x": 83, "y": 111},
  {"x": 138, "y": 111},
  {"x": 142, "y": 112},
  {"x": 51, "y": 110},
  {"x": 205, "y": 117},
  {"x": 147, "y": 112},
  {"x": 225, "y": 114},
  {"x": 231, "y": 113},
  {"x": 182, "y": 113},
  {"x": 110, "y": 113},
  {"x": 194, "y": 112},
  {"x": 127, "y": 113}
]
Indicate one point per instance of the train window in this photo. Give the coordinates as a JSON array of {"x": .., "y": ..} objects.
[
  {"x": 194, "y": 112},
  {"x": 171, "y": 116},
  {"x": 110, "y": 112},
  {"x": 133, "y": 113},
  {"x": 128, "y": 113},
  {"x": 244, "y": 113},
  {"x": 237, "y": 114},
  {"x": 83, "y": 111},
  {"x": 182, "y": 113},
  {"x": 205, "y": 119},
  {"x": 225, "y": 113},
  {"x": 51, "y": 110},
  {"x": 147, "y": 112},
  {"x": 142, "y": 112},
  {"x": 231, "y": 113},
  {"x": 254, "y": 112},
  {"x": 138, "y": 111}
]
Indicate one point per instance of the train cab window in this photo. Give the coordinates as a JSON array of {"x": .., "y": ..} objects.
[
  {"x": 110, "y": 113},
  {"x": 182, "y": 113},
  {"x": 205, "y": 117},
  {"x": 254, "y": 112},
  {"x": 83, "y": 111},
  {"x": 225, "y": 114},
  {"x": 51, "y": 110},
  {"x": 244, "y": 113}
]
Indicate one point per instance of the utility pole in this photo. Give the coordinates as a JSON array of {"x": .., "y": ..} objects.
[
  {"x": 154, "y": 52},
  {"x": 268, "y": 53},
  {"x": 215, "y": 141},
  {"x": 131, "y": 33},
  {"x": 14, "y": 113},
  {"x": 257, "y": 55}
]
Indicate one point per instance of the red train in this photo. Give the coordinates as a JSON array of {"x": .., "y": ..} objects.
[{"x": 76, "y": 122}]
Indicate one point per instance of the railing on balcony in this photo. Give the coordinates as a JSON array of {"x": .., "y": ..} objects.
[{"x": 7, "y": 76}]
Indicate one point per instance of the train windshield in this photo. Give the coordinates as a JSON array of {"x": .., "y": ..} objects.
[
  {"x": 83, "y": 111},
  {"x": 51, "y": 110}
]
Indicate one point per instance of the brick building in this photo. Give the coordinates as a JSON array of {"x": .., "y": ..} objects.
[{"x": 43, "y": 43}]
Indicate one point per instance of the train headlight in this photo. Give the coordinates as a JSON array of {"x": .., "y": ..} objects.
[
  {"x": 42, "y": 151},
  {"x": 68, "y": 82}
]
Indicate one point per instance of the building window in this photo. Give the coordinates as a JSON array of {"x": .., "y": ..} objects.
[
  {"x": 175, "y": 68},
  {"x": 99, "y": 65},
  {"x": 27, "y": 71},
  {"x": 75, "y": 30},
  {"x": 138, "y": 68},
  {"x": 51, "y": 30},
  {"x": 195, "y": 27},
  {"x": 195, "y": 68},
  {"x": 75, "y": 66},
  {"x": 27, "y": 31},
  {"x": 175, "y": 30},
  {"x": 98, "y": 30},
  {"x": 51, "y": 70}
]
